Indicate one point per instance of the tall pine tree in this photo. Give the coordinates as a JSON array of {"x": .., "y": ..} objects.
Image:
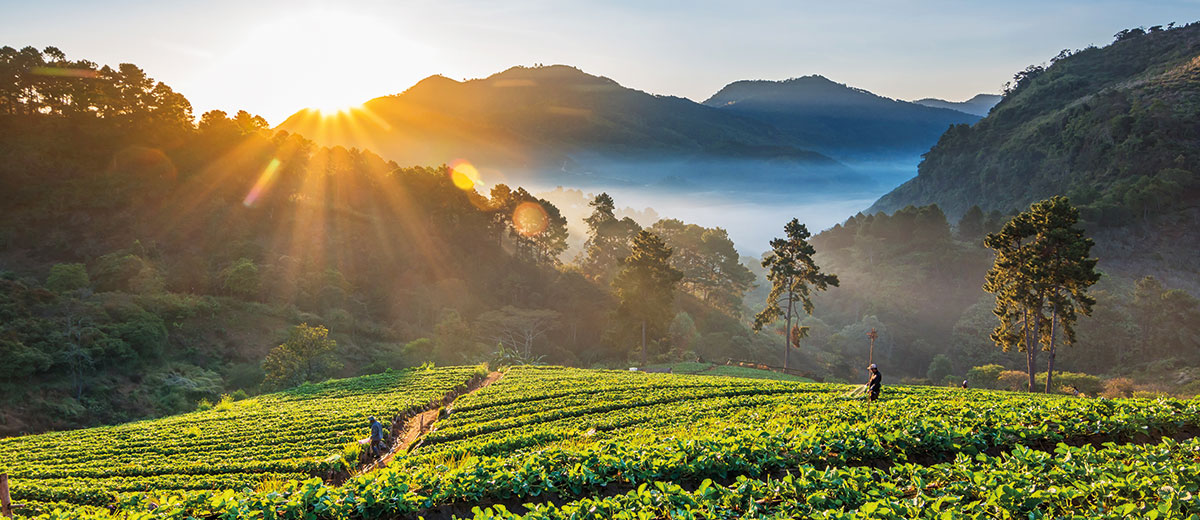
[
  {"x": 1040, "y": 278},
  {"x": 794, "y": 276},
  {"x": 646, "y": 287},
  {"x": 608, "y": 240}
]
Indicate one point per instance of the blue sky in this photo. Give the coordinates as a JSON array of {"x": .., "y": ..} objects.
[{"x": 274, "y": 57}]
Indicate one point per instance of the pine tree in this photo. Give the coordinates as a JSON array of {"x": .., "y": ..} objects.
[
  {"x": 608, "y": 239},
  {"x": 794, "y": 276},
  {"x": 1040, "y": 278},
  {"x": 646, "y": 287}
]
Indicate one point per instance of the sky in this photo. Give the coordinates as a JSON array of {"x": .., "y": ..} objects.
[{"x": 273, "y": 58}]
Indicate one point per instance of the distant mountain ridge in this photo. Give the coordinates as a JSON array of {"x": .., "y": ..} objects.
[
  {"x": 557, "y": 124},
  {"x": 836, "y": 119},
  {"x": 541, "y": 115},
  {"x": 978, "y": 105}
]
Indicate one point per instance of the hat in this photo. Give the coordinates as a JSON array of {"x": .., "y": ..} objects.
[
  {"x": 371, "y": 418},
  {"x": 872, "y": 367}
]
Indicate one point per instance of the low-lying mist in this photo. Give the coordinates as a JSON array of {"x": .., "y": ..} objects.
[{"x": 751, "y": 199}]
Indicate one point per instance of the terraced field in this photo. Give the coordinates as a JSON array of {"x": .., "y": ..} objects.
[
  {"x": 292, "y": 435},
  {"x": 546, "y": 443}
]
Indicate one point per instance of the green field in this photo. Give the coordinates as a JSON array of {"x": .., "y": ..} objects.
[{"x": 565, "y": 443}]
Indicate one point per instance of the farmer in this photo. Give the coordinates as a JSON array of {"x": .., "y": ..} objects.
[
  {"x": 376, "y": 437},
  {"x": 964, "y": 383},
  {"x": 875, "y": 384}
]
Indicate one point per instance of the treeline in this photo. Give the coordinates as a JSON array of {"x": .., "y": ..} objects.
[
  {"x": 149, "y": 260},
  {"x": 917, "y": 281}
]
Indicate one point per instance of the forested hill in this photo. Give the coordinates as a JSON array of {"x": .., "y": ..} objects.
[
  {"x": 1113, "y": 128},
  {"x": 837, "y": 119}
]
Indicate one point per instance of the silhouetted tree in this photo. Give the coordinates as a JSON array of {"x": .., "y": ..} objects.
[{"x": 646, "y": 288}]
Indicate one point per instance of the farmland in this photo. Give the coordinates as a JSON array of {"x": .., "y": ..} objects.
[
  {"x": 566, "y": 443},
  {"x": 291, "y": 435}
]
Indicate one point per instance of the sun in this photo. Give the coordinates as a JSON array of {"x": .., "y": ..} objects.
[{"x": 325, "y": 59}]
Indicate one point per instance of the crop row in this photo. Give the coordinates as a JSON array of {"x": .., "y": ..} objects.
[
  {"x": 1161, "y": 480},
  {"x": 291, "y": 433}
]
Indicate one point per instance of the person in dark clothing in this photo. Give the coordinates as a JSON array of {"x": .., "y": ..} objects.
[
  {"x": 376, "y": 437},
  {"x": 875, "y": 384},
  {"x": 964, "y": 383}
]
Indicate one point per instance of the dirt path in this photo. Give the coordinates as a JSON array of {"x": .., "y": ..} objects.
[{"x": 418, "y": 425}]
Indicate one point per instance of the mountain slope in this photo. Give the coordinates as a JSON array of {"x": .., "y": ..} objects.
[
  {"x": 542, "y": 115},
  {"x": 978, "y": 105},
  {"x": 1093, "y": 124},
  {"x": 1113, "y": 128},
  {"x": 836, "y": 119}
]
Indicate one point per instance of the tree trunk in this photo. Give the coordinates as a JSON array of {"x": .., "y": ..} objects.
[
  {"x": 787, "y": 335},
  {"x": 1050, "y": 360},
  {"x": 643, "y": 343},
  {"x": 1030, "y": 352}
]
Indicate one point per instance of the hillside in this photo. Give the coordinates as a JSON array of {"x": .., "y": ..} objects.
[
  {"x": 978, "y": 105},
  {"x": 1113, "y": 128},
  {"x": 537, "y": 118},
  {"x": 549, "y": 443},
  {"x": 837, "y": 119}
]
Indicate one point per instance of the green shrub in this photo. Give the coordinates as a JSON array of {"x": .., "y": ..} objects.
[
  {"x": 67, "y": 277},
  {"x": 985, "y": 376},
  {"x": 1086, "y": 383},
  {"x": 1014, "y": 380},
  {"x": 939, "y": 368}
]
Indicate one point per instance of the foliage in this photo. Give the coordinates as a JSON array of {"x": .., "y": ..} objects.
[
  {"x": 645, "y": 287},
  {"x": 939, "y": 369},
  {"x": 1040, "y": 278},
  {"x": 608, "y": 240},
  {"x": 985, "y": 376},
  {"x": 767, "y": 448},
  {"x": 307, "y": 355},
  {"x": 519, "y": 328},
  {"x": 794, "y": 275},
  {"x": 291, "y": 435},
  {"x": 712, "y": 270},
  {"x": 67, "y": 277}
]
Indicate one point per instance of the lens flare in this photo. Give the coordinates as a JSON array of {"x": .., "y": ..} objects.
[
  {"x": 263, "y": 184},
  {"x": 530, "y": 219},
  {"x": 464, "y": 175}
]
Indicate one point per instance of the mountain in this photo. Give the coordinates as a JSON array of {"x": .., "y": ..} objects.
[
  {"x": 555, "y": 118},
  {"x": 978, "y": 105},
  {"x": 1113, "y": 128},
  {"x": 836, "y": 119}
]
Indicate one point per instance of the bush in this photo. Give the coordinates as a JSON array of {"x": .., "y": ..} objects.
[
  {"x": 1118, "y": 387},
  {"x": 939, "y": 368},
  {"x": 67, "y": 277},
  {"x": 1014, "y": 380},
  {"x": 985, "y": 376},
  {"x": 1086, "y": 383}
]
